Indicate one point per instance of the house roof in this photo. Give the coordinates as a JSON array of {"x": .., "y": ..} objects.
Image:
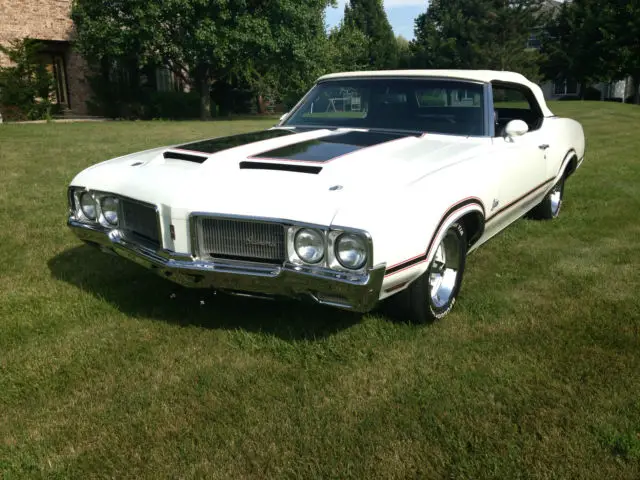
[{"x": 484, "y": 76}]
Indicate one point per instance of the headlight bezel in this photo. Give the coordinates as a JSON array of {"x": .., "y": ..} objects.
[{"x": 76, "y": 211}]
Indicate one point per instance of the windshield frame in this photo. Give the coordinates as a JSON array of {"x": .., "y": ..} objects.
[{"x": 488, "y": 126}]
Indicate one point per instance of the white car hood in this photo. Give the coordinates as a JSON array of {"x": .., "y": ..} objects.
[{"x": 216, "y": 183}]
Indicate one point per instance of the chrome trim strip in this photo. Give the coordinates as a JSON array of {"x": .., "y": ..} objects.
[{"x": 352, "y": 291}]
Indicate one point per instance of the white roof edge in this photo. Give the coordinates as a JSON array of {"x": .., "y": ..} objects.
[{"x": 484, "y": 76}]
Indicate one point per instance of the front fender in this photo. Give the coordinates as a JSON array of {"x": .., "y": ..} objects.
[{"x": 406, "y": 224}]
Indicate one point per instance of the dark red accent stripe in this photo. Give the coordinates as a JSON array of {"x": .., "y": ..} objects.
[
  {"x": 519, "y": 199},
  {"x": 423, "y": 257}
]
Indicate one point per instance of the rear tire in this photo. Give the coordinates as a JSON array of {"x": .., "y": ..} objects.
[
  {"x": 433, "y": 295},
  {"x": 550, "y": 207}
]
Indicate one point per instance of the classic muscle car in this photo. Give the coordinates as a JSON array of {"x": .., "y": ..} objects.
[{"x": 375, "y": 184}]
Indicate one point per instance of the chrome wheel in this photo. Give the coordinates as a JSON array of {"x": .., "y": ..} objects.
[
  {"x": 555, "y": 199},
  {"x": 444, "y": 270}
]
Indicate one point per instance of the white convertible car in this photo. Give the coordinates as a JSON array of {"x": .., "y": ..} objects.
[{"x": 376, "y": 184}]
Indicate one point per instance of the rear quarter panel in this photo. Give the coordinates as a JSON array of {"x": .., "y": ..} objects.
[{"x": 564, "y": 136}]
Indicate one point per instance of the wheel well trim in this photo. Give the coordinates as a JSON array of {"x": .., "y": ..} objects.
[
  {"x": 568, "y": 158},
  {"x": 453, "y": 214}
]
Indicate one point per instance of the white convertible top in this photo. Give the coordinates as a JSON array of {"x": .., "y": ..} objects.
[{"x": 485, "y": 76}]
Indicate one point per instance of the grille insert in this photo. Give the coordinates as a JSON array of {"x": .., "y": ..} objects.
[
  {"x": 240, "y": 240},
  {"x": 140, "y": 222}
]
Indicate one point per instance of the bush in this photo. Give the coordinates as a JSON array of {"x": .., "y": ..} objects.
[
  {"x": 26, "y": 86},
  {"x": 172, "y": 105},
  {"x": 592, "y": 93}
]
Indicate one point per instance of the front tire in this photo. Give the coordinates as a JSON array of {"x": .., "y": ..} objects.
[
  {"x": 433, "y": 295},
  {"x": 550, "y": 207}
]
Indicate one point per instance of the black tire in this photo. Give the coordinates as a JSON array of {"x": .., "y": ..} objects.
[
  {"x": 551, "y": 205},
  {"x": 418, "y": 302}
]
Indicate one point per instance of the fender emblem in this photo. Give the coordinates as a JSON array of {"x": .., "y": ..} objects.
[{"x": 495, "y": 204}]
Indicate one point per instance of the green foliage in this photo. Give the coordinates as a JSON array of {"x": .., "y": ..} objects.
[
  {"x": 369, "y": 17},
  {"x": 478, "y": 34},
  {"x": 404, "y": 52},
  {"x": 573, "y": 43},
  {"x": 26, "y": 85},
  {"x": 621, "y": 39},
  {"x": 348, "y": 49},
  {"x": 172, "y": 105},
  {"x": 591, "y": 40},
  {"x": 272, "y": 46}
]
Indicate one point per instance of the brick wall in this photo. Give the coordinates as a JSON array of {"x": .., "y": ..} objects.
[
  {"x": 46, "y": 20},
  {"x": 41, "y": 19}
]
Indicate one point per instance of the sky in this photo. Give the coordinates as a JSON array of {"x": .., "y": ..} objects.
[{"x": 401, "y": 14}]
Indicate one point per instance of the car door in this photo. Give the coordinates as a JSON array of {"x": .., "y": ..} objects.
[{"x": 521, "y": 160}]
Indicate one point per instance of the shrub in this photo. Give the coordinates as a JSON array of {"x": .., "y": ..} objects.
[
  {"x": 172, "y": 105},
  {"x": 592, "y": 93},
  {"x": 26, "y": 85}
]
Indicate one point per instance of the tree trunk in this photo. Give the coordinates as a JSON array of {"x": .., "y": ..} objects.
[
  {"x": 261, "y": 105},
  {"x": 204, "y": 89},
  {"x": 582, "y": 89},
  {"x": 636, "y": 90}
]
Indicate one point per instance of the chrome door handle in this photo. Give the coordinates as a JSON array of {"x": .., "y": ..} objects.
[{"x": 544, "y": 146}]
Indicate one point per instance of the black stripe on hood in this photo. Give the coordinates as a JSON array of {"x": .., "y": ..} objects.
[
  {"x": 216, "y": 145},
  {"x": 327, "y": 148}
]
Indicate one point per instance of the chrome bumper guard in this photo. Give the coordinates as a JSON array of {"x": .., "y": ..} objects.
[{"x": 326, "y": 287}]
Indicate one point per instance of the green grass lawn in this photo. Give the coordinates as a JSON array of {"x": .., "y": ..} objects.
[{"x": 109, "y": 371}]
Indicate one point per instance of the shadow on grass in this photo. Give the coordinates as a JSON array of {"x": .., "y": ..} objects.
[{"x": 141, "y": 293}]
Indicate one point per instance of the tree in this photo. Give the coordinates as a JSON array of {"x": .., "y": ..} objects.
[
  {"x": 369, "y": 17},
  {"x": 349, "y": 49},
  {"x": 404, "y": 52},
  {"x": 265, "y": 43},
  {"x": 574, "y": 44},
  {"x": 621, "y": 39},
  {"x": 478, "y": 34}
]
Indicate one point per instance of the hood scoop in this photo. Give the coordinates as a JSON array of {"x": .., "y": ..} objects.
[
  {"x": 280, "y": 167},
  {"x": 188, "y": 157}
]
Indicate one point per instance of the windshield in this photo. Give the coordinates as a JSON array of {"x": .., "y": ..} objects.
[{"x": 422, "y": 105}]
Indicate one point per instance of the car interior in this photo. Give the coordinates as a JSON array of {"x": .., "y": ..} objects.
[{"x": 514, "y": 104}]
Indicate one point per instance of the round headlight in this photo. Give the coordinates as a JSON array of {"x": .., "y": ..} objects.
[
  {"x": 88, "y": 206},
  {"x": 110, "y": 210},
  {"x": 309, "y": 245},
  {"x": 351, "y": 251}
]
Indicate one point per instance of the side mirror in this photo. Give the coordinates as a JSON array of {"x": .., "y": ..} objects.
[{"x": 516, "y": 128}]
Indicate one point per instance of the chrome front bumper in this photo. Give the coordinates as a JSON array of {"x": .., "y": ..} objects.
[{"x": 327, "y": 287}]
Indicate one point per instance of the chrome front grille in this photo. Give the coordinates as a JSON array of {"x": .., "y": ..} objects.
[
  {"x": 240, "y": 240},
  {"x": 139, "y": 221}
]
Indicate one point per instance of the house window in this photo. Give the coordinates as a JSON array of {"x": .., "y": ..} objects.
[
  {"x": 534, "y": 42},
  {"x": 164, "y": 80},
  {"x": 565, "y": 87}
]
